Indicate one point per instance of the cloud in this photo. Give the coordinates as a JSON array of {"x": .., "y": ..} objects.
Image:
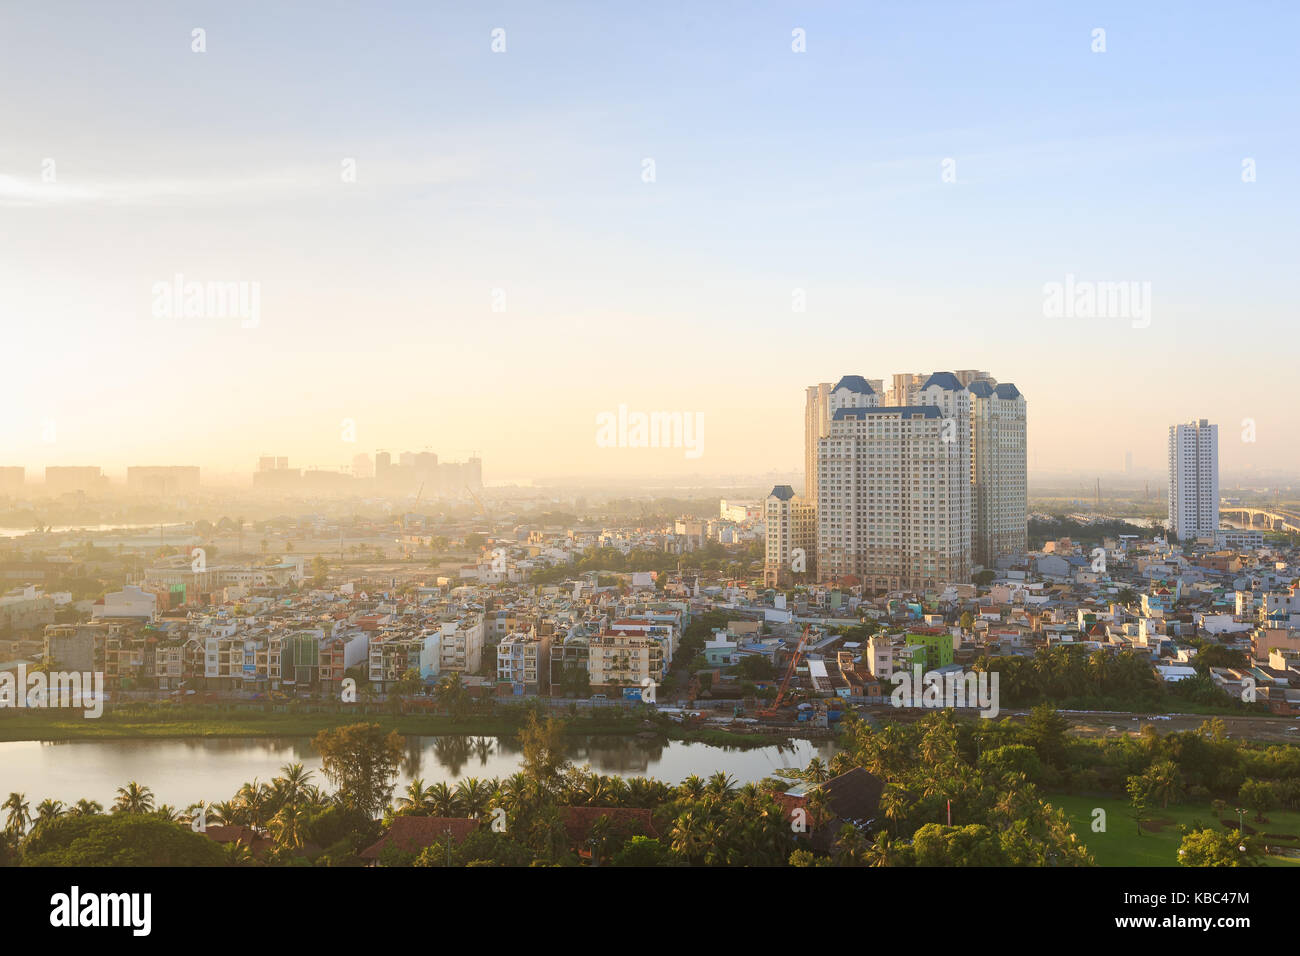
[{"x": 284, "y": 184}]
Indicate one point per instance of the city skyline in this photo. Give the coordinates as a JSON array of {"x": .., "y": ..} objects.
[{"x": 419, "y": 264}]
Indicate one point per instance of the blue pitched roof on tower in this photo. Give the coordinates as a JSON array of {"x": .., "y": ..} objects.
[
  {"x": 1007, "y": 390},
  {"x": 907, "y": 411},
  {"x": 854, "y": 383},
  {"x": 784, "y": 492},
  {"x": 980, "y": 389},
  {"x": 945, "y": 380}
]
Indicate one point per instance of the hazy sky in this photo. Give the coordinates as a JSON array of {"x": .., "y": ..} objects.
[{"x": 524, "y": 171}]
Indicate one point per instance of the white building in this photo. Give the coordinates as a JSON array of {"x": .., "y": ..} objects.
[
  {"x": 130, "y": 603},
  {"x": 791, "y": 536},
  {"x": 999, "y": 474},
  {"x": 1194, "y": 480},
  {"x": 894, "y": 494}
]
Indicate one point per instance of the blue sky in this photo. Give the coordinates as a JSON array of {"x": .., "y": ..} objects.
[{"x": 521, "y": 171}]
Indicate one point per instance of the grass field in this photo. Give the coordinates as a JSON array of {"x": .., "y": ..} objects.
[{"x": 1121, "y": 845}]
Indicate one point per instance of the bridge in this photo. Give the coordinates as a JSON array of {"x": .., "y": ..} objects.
[{"x": 1261, "y": 518}]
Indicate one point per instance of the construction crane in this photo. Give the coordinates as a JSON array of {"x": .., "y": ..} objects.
[
  {"x": 476, "y": 500},
  {"x": 418, "y": 495},
  {"x": 790, "y": 667}
]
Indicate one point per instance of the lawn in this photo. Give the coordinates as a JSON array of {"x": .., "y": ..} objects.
[{"x": 1120, "y": 844}]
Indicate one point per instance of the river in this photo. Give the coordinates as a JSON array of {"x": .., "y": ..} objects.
[{"x": 187, "y": 770}]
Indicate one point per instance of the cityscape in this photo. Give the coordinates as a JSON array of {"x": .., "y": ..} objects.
[{"x": 431, "y": 441}]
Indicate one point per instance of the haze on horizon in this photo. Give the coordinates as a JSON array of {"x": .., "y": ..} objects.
[{"x": 517, "y": 179}]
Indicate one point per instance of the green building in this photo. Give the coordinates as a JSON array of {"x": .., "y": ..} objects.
[{"x": 938, "y": 650}]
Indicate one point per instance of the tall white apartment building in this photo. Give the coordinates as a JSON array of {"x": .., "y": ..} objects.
[
  {"x": 791, "y": 537},
  {"x": 1194, "y": 479},
  {"x": 999, "y": 494},
  {"x": 851, "y": 391},
  {"x": 816, "y": 426},
  {"x": 894, "y": 491}
]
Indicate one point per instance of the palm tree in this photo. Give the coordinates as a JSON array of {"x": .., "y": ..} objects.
[
  {"x": 255, "y": 799},
  {"x": 443, "y": 801},
  {"x": 851, "y": 846},
  {"x": 692, "y": 788},
  {"x": 287, "y": 826},
  {"x": 86, "y": 808},
  {"x": 883, "y": 852},
  {"x": 49, "y": 810},
  {"x": 294, "y": 782},
  {"x": 227, "y": 813},
  {"x": 721, "y": 784},
  {"x": 417, "y": 801},
  {"x": 894, "y": 804},
  {"x": 238, "y": 854},
  {"x": 19, "y": 813},
  {"x": 816, "y": 771},
  {"x": 473, "y": 796},
  {"x": 133, "y": 798},
  {"x": 818, "y": 806},
  {"x": 687, "y": 836},
  {"x": 168, "y": 812}
]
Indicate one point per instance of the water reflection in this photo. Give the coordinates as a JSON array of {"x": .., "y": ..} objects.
[{"x": 182, "y": 771}]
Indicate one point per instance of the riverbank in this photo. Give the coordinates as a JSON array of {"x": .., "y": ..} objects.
[{"x": 215, "y": 723}]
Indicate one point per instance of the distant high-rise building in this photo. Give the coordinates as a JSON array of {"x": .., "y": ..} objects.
[
  {"x": 1128, "y": 462},
  {"x": 12, "y": 479},
  {"x": 1194, "y": 479},
  {"x": 362, "y": 466},
  {"x": 999, "y": 472},
  {"x": 791, "y": 536},
  {"x": 816, "y": 426},
  {"x": 162, "y": 479},
  {"x": 64, "y": 479}
]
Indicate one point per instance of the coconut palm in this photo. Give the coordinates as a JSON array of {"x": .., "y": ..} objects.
[
  {"x": 692, "y": 788},
  {"x": 721, "y": 784},
  {"x": 255, "y": 798},
  {"x": 238, "y": 854},
  {"x": 884, "y": 851},
  {"x": 816, "y": 771},
  {"x": 443, "y": 801},
  {"x": 851, "y": 846},
  {"x": 133, "y": 798},
  {"x": 19, "y": 813},
  {"x": 288, "y": 824},
  {"x": 416, "y": 801},
  {"x": 687, "y": 836},
  {"x": 85, "y": 808},
  {"x": 49, "y": 810},
  {"x": 294, "y": 780},
  {"x": 473, "y": 796}
]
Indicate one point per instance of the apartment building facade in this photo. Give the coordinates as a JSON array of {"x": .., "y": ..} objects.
[
  {"x": 999, "y": 472},
  {"x": 790, "y": 537},
  {"x": 894, "y": 486},
  {"x": 1194, "y": 479}
]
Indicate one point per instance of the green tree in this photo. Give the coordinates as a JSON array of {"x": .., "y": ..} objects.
[
  {"x": 134, "y": 798},
  {"x": 117, "y": 840},
  {"x": 1217, "y": 848},
  {"x": 362, "y": 762}
]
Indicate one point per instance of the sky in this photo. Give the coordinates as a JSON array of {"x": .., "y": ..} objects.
[{"x": 665, "y": 207}]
